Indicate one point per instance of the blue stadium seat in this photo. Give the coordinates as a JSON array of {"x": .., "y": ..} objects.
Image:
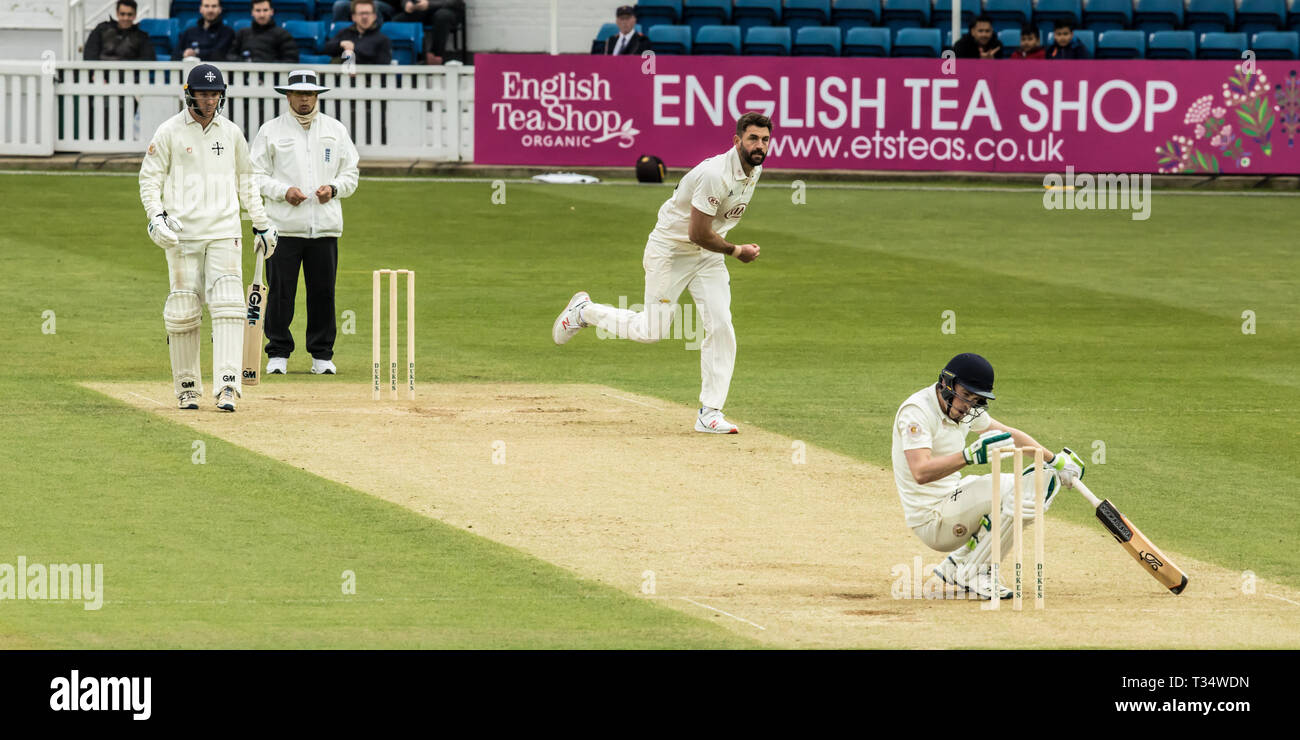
[
  {"x": 1059, "y": 10},
  {"x": 1216, "y": 45},
  {"x": 817, "y": 41},
  {"x": 916, "y": 42},
  {"x": 801, "y": 13},
  {"x": 750, "y": 13},
  {"x": 294, "y": 10},
  {"x": 313, "y": 58},
  {"x": 240, "y": 24},
  {"x": 1088, "y": 38},
  {"x": 898, "y": 14},
  {"x": 770, "y": 42},
  {"x": 163, "y": 32},
  {"x": 1261, "y": 15},
  {"x": 1210, "y": 16},
  {"x": 335, "y": 27},
  {"x": 162, "y": 57},
  {"x": 1293, "y": 16},
  {"x": 1121, "y": 44},
  {"x": 237, "y": 9},
  {"x": 407, "y": 41},
  {"x": 1008, "y": 13},
  {"x": 854, "y": 13},
  {"x": 186, "y": 19},
  {"x": 717, "y": 41},
  {"x": 185, "y": 6},
  {"x": 310, "y": 35},
  {"x": 670, "y": 39},
  {"x": 865, "y": 41},
  {"x": 700, "y": 13},
  {"x": 941, "y": 13},
  {"x": 651, "y": 13},
  {"x": 1276, "y": 45},
  {"x": 1158, "y": 15},
  {"x": 1171, "y": 45},
  {"x": 1010, "y": 39},
  {"x": 1107, "y": 15}
]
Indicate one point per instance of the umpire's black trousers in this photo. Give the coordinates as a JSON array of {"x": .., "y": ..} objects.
[{"x": 319, "y": 260}]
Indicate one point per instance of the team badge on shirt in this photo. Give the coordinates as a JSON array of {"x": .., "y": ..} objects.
[
  {"x": 327, "y": 154},
  {"x": 151, "y": 149},
  {"x": 714, "y": 201}
]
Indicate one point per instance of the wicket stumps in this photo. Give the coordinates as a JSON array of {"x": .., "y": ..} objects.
[
  {"x": 1018, "y": 523},
  {"x": 376, "y": 297}
]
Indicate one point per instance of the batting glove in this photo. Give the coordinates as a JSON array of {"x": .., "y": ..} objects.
[
  {"x": 978, "y": 451},
  {"x": 265, "y": 239},
  {"x": 162, "y": 230},
  {"x": 1068, "y": 466}
]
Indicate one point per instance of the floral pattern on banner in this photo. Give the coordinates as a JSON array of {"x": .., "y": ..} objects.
[{"x": 1226, "y": 135}]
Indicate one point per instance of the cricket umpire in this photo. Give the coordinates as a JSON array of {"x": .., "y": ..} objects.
[{"x": 303, "y": 163}]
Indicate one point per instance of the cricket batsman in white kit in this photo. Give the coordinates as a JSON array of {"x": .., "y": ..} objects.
[
  {"x": 949, "y": 511},
  {"x": 688, "y": 250},
  {"x": 194, "y": 177}
]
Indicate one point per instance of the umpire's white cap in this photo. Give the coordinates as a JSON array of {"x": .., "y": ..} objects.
[{"x": 302, "y": 80}]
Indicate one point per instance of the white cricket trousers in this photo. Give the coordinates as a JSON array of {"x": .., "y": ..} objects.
[
  {"x": 207, "y": 272},
  {"x": 670, "y": 268}
]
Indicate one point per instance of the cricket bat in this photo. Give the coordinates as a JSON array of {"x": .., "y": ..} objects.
[
  {"x": 1170, "y": 576},
  {"x": 253, "y": 329}
]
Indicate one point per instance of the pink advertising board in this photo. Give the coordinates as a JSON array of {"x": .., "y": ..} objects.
[{"x": 893, "y": 114}]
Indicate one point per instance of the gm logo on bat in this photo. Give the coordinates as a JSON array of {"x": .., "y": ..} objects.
[
  {"x": 1150, "y": 560},
  {"x": 254, "y": 307}
]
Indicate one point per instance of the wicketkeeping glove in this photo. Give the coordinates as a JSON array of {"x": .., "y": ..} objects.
[
  {"x": 265, "y": 240},
  {"x": 162, "y": 229},
  {"x": 978, "y": 451},
  {"x": 1068, "y": 466}
]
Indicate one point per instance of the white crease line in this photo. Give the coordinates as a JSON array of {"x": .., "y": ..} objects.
[
  {"x": 150, "y": 400},
  {"x": 716, "y": 609},
  {"x": 633, "y": 400},
  {"x": 1282, "y": 598}
]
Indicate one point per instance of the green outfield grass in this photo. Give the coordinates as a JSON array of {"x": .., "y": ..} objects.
[{"x": 1103, "y": 331}]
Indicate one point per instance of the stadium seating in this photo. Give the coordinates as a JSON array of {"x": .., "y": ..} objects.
[
  {"x": 295, "y": 10},
  {"x": 801, "y": 13},
  {"x": 1293, "y": 16},
  {"x": 1221, "y": 46},
  {"x": 1010, "y": 39},
  {"x": 607, "y": 30},
  {"x": 750, "y": 13},
  {"x": 1087, "y": 37},
  {"x": 237, "y": 9},
  {"x": 163, "y": 32},
  {"x": 817, "y": 41},
  {"x": 1171, "y": 45},
  {"x": 717, "y": 40},
  {"x": 1107, "y": 15},
  {"x": 864, "y": 41},
  {"x": 898, "y": 14},
  {"x": 854, "y": 13},
  {"x": 1121, "y": 44},
  {"x": 335, "y": 27},
  {"x": 407, "y": 41},
  {"x": 916, "y": 42},
  {"x": 313, "y": 58},
  {"x": 1158, "y": 15},
  {"x": 700, "y": 13},
  {"x": 1276, "y": 45},
  {"x": 310, "y": 35},
  {"x": 1008, "y": 13},
  {"x": 240, "y": 24},
  {"x": 670, "y": 39},
  {"x": 1261, "y": 15},
  {"x": 1208, "y": 16},
  {"x": 941, "y": 14},
  {"x": 1050, "y": 11},
  {"x": 651, "y": 13},
  {"x": 773, "y": 42}
]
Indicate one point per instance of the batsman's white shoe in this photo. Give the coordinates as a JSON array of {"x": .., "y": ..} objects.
[
  {"x": 277, "y": 365},
  {"x": 982, "y": 585},
  {"x": 711, "y": 421},
  {"x": 188, "y": 400},
  {"x": 226, "y": 398},
  {"x": 569, "y": 322},
  {"x": 323, "y": 367},
  {"x": 947, "y": 571}
]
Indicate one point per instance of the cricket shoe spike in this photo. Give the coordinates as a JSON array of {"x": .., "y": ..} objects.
[
  {"x": 323, "y": 367},
  {"x": 711, "y": 421},
  {"x": 569, "y": 322},
  {"x": 983, "y": 587},
  {"x": 226, "y": 398},
  {"x": 277, "y": 365},
  {"x": 188, "y": 400}
]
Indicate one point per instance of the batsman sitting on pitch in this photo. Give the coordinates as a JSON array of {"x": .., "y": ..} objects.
[
  {"x": 949, "y": 511},
  {"x": 193, "y": 179}
]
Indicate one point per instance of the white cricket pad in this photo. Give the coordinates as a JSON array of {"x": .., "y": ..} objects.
[
  {"x": 227, "y": 309},
  {"x": 182, "y": 316}
]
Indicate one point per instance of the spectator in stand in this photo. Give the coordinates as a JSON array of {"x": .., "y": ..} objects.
[
  {"x": 362, "y": 41},
  {"x": 1030, "y": 48},
  {"x": 342, "y": 10},
  {"x": 438, "y": 18},
  {"x": 209, "y": 39},
  {"x": 628, "y": 41},
  {"x": 120, "y": 39},
  {"x": 264, "y": 41},
  {"x": 980, "y": 42},
  {"x": 1066, "y": 46}
]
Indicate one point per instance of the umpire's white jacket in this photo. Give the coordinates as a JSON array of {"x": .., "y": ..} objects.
[{"x": 286, "y": 155}]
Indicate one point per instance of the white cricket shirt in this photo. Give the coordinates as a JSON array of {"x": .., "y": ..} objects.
[
  {"x": 920, "y": 423},
  {"x": 287, "y": 155},
  {"x": 717, "y": 186}
]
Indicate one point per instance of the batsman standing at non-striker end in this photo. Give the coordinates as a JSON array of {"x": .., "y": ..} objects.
[
  {"x": 687, "y": 250},
  {"x": 193, "y": 179},
  {"x": 949, "y": 511}
]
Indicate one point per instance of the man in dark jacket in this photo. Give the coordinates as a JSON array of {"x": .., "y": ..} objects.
[
  {"x": 438, "y": 18},
  {"x": 1066, "y": 46},
  {"x": 627, "y": 40},
  {"x": 120, "y": 39},
  {"x": 362, "y": 41},
  {"x": 980, "y": 42},
  {"x": 209, "y": 39},
  {"x": 264, "y": 41}
]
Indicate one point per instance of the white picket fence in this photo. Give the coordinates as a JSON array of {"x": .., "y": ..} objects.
[{"x": 114, "y": 107}]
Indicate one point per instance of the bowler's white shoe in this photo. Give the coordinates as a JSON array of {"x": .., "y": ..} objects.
[
  {"x": 226, "y": 398},
  {"x": 982, "y": 585},
  {"x": 277, "y": 365},
  {"x": 323, "y": 367},
  {"x": 711, "y": 421},
  {"x": 188, "y": 400},
  {"x": 569, "y": 322}
]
